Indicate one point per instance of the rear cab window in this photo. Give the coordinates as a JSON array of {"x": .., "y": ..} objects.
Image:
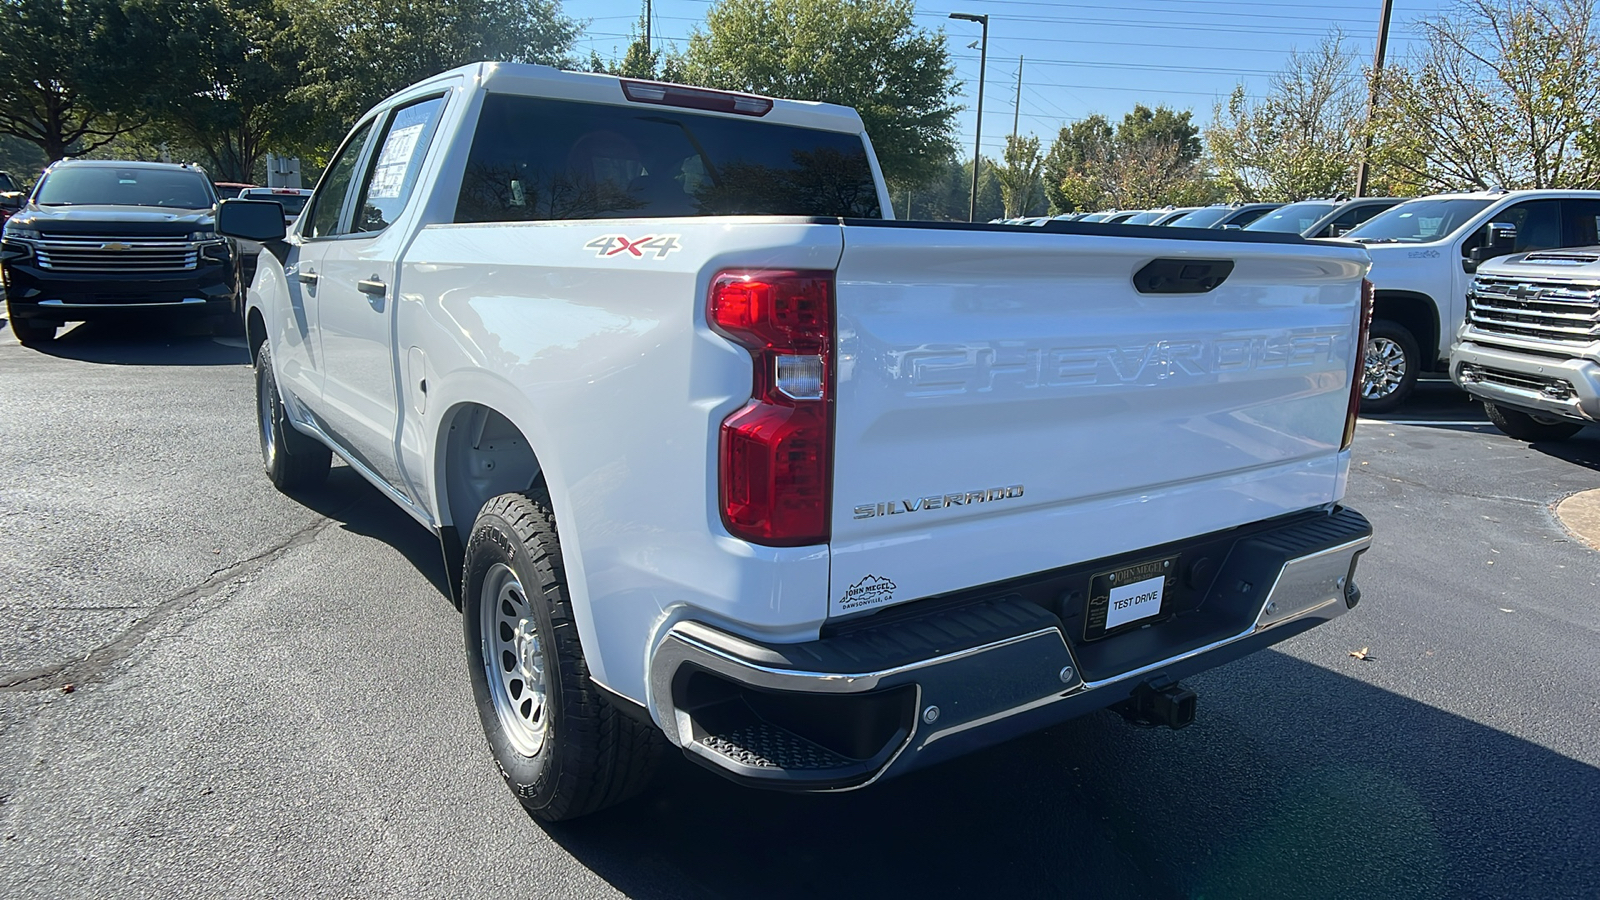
[{"x": 537, "y": 159}]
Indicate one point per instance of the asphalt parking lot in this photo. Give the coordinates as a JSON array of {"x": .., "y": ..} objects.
[{"x": 267, "y": 697}]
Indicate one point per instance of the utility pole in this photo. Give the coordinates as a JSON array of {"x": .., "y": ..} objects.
[
  {"x": 647, "y": 47},
  {"x": 977, "y": 128},
  {"x": 1372, "y": 98},
  {"x": 1016, "y": 111}
]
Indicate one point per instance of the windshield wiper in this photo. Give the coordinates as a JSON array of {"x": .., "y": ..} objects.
[
  {"x": 1377, "y": 240},
  {"x": 59, "y": 203}
]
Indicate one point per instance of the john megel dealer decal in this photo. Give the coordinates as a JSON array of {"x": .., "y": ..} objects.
[{"x": 869, "y": 591}]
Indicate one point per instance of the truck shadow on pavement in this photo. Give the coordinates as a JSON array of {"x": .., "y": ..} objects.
[
  {"x": 357, "y": 506},
  {"x": 152, "y": 342},
  {"x": 1297, "y": 782}
]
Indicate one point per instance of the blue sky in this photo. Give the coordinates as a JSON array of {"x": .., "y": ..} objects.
[{"x": 1083, "y": 57}]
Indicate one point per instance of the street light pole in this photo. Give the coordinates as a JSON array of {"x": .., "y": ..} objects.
[{"x": 977, "y": 139}]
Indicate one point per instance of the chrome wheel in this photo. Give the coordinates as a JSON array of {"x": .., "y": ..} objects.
[
  {"x": 268, "y": 413},
  {"x": 514, "y": 659},
  {"x": 1385, "y": 368}
]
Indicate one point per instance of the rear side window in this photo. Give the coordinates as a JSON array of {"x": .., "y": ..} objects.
[
  {"x": 538, "y": 159},
  {"x": 395, "y": 167}
]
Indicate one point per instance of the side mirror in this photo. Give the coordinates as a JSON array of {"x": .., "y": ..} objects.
[
  {"x": 1233, "y": 228},
  {"x": 251, "y": 220},
  {"x": 12, "y": 200},
  {"x": 1501, "y": 240}
]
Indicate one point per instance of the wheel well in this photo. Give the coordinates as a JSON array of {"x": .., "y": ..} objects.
[
  {"x": 482, "y": 455},
  {"x": 1415, "y": 313},
  {"x": 255, "y": 332}
]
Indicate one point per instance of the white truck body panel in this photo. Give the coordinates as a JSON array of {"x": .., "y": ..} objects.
[
  {"x": 1203, "y": 412},
  {"x": 968, "y": 359},
  {"x": 1434, "y": 269}
]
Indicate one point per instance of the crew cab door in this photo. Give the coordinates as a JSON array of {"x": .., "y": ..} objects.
[
  {"x": 356, "y": 292},
  {"x": 298, "y": 348}
]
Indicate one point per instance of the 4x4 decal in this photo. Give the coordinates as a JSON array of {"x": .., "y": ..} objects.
[{"x": 621, "y": 245}]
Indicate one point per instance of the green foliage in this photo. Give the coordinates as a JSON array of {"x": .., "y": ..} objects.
[
  {"x": 1019, "y": 178},
  {"x": 22, "y": 160},
  {"x": 1501, "y": 95},
  {"x": 51, "y": 92},
  {"x": 1151, "y": 158},
  {"x": 359, "y": 52},
  {"x": 947, "y": 196},
  {"x": 868, "y": 54},
  {"x": 1304, "y": 139},
  {"x": 215, "y": 75}
]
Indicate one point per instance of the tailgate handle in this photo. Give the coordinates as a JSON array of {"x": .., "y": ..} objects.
[{"x": 1182, "y": 276}]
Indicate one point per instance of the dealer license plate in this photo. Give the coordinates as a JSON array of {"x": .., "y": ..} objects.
[{"x": 1128, "y": 595}]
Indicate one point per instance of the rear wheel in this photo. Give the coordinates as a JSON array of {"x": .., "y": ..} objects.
[
  {"x": 1392, "y": 364},
  {"x": 291, "y": 459},
  {"x": 561, "y": 746},
  {"x": 1529, "y": 427}
]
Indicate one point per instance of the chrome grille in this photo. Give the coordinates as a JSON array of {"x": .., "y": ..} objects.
[
  {"x": 109, "y": 253},
  {"x": 1551, "y": 311}
]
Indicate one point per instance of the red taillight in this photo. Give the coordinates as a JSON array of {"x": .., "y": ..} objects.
[
  {"x": 1363, "y": 328},
  {"x": 775, "y": 465}
]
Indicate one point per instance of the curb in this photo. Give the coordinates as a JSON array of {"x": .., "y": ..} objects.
[{"x": 1580, "y": 514}]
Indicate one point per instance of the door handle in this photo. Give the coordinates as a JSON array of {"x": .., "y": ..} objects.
[
  {"x": 308, "y": 277},
  {"x": 372, "y": 286}
]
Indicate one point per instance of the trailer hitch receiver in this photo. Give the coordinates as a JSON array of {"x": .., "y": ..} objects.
[{"x": 1159, "y": 701}]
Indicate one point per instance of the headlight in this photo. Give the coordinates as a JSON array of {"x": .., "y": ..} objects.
[
  {"x": 205, "y": 236},
  {"x": 22, "y": 234}
]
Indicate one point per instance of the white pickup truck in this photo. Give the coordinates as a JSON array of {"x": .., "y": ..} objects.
[
  {"x": 1530, "y": 347},
  {"x": 720, "y": 455},
  {"x": 1424, "y": 253}
]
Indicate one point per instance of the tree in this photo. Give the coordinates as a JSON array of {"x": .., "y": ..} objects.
[
  {"x": 50, "y": 92},
  {"x": 1502, "y": 94},
  {"x": 1303, "y": 139},
  {"x": 868, "y": 54},
  {"x": 1080, "y": 148},
  {"x": 1020, "y": 185},
  {"x": 359, "y": 52},
  {"x": 1151, "y": 158},
  {"x": 217, "y": 75}
]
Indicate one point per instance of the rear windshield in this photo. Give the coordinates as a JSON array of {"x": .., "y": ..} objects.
[
  {"x": 293, "y": 204},
  {"x": 85, "y": 185},
  {"x": 1145, "y": 218},
  {"x": 1204, "y": 217},
  {"x": 539, "y": 159},
  {"x": 1292, "y": 219},
  {"x": 1418, "y": 221}
]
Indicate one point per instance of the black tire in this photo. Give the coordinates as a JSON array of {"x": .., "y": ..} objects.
[
  {"x": 32, "y": 332},
  {"x": 292, "y": 460},
  {"x": 1528, "y": 427},
  {"x": 1393, "y": 362},
  {"x": 561, "y": 746}
]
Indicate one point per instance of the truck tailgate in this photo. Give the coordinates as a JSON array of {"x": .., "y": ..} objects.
[{"x": 1008, "y": 402}]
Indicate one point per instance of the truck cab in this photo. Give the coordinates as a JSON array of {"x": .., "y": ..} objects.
[{"x": 1424, "y": 255}]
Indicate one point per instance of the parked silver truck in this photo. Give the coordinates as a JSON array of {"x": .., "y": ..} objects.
[{"x": 1530, "y": 345}]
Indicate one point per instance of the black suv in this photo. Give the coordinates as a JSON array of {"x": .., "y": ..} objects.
[{"x": 105, "y": 239}]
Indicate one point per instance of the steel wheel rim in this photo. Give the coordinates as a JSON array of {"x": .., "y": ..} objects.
[
  {"x": 267, "y": 411},
  {"x": 1385, "y": 368},
  {"x": 514, "y": 660}
]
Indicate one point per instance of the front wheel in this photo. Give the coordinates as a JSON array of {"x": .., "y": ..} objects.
[
  {"x": 561, "y": 746},
  {"x": 1529, "y": 427},
  {"x": 291, "y": 459},
  {"x": 1392, "y": 364}
]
